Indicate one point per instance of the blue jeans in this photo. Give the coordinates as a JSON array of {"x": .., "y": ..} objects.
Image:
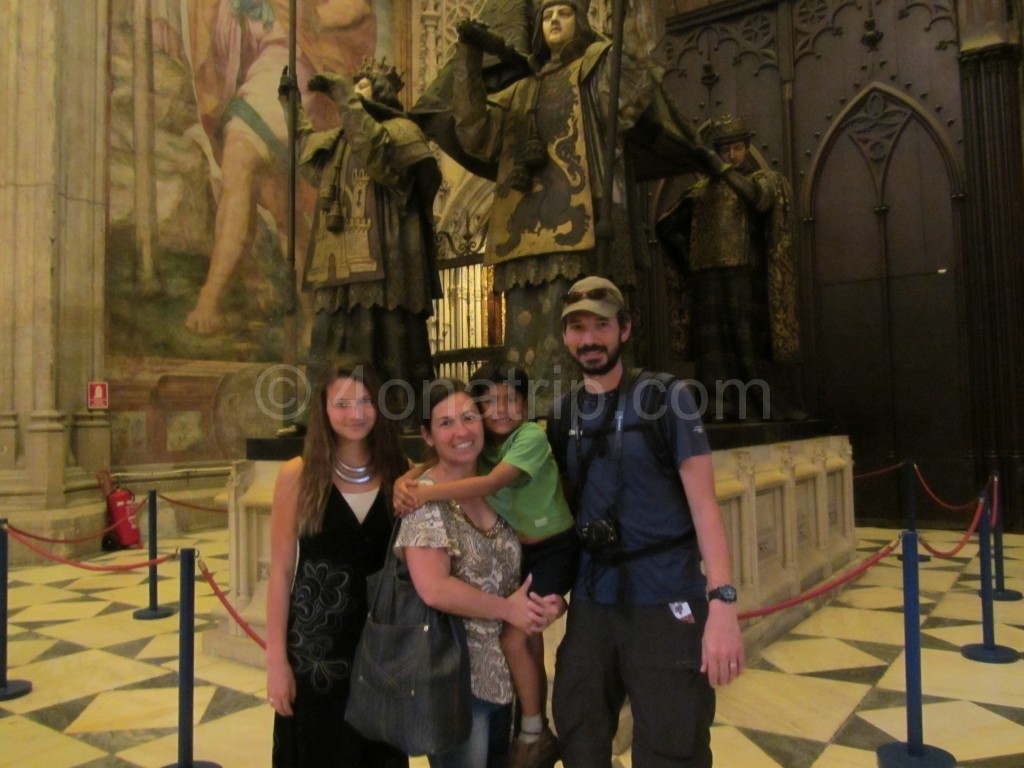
[{"x": 488, "y": 739}]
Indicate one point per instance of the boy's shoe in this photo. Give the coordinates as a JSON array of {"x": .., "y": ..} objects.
[{"x": 542, "y": 753}]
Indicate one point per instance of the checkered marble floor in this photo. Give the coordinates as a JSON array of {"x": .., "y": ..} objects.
[{"x": 826, "y": 695}]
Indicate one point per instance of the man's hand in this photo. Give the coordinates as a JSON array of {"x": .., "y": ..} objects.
[
  {"x": 722, "y": 657},
  {"x": 547, "y": 609}
]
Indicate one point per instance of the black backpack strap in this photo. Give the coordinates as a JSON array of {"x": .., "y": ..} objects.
[
  {"x": 558, "y": 426},
  {"x": 653, "y": 403}
]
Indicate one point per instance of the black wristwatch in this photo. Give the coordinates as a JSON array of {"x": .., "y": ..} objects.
[{"x": 726, "y": 593}]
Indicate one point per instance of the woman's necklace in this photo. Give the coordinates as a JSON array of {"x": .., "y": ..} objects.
[
  {"x": 354, "y": 475},
  {"x": 487, "y": 533}
]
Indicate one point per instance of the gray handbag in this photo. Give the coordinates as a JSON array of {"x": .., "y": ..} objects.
[{"x": 410, "y": 677}]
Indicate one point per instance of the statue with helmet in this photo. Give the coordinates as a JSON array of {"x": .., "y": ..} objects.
[
  {"x": 371, "y": 261},
  {"x": 731, "y": 234}
]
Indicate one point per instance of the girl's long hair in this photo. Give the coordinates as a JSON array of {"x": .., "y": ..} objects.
[{"x": 318, "y": 451}]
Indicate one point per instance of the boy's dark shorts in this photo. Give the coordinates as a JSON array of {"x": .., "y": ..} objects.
[{"x": 553, "y": 563}]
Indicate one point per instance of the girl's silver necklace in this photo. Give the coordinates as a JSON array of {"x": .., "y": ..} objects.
[{"x": 354, "y": 475}]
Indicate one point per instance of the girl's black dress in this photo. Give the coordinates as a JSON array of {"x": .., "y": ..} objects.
[{"x": 326, "y": 616}]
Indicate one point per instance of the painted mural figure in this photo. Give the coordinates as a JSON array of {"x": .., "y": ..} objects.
[
  {"x": 544, "y": 132},
  {"x": 732, "y": 235},
  {"x": 238, "y": 48},
  {"x": 371, "y": 260}
]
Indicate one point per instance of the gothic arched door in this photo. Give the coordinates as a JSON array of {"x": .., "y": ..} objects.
[{"x": 884, "y": 239}]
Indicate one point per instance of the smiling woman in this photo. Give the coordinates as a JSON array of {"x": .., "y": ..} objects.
[{"x": 464, "y": 560}]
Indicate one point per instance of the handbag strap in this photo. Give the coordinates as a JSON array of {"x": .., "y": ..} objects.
[{"x": 388, "y": 575}]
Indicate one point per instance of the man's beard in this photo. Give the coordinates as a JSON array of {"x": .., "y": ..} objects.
[{"x": 599, "y": 369}]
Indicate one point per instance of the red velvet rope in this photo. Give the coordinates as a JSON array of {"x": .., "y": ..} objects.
[
  {"x": 230, "y": 608},
  {"x": 936, "y": 499},
  {"x": 18, "y": 536},
  {"x": 180, "y": 503},
  {"x": 826, "y": 587},
  {"x": 132, "y": 512},
  {"x": 876, "y": 472},
  {"x": 963, "y": 542}
]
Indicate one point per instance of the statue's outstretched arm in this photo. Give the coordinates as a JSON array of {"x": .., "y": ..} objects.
[
  {"x": 366, "y": 137},
  {"x": 469, "y": 100},
  {"x": 749, "y": 190}
]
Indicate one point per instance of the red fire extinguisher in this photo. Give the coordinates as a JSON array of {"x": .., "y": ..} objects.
[{"x": 121, "y": 513}]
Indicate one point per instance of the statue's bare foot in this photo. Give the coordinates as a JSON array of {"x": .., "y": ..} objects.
[{"x": 205, "y": 320}]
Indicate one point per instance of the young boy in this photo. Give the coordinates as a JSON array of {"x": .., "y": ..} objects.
[{"x": 520, "y": 479}]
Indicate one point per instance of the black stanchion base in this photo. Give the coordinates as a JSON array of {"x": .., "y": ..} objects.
[
  {"x": 896, "y": 754},
  {"x": 1007, "y": 595},
  {"x": 14, "y": 688},
  {"x": 195, "y": 764},
  {"x": 920, "y": 558},
  {"x": 148, "y": 614},
  {"x": 989, "y": 654}
]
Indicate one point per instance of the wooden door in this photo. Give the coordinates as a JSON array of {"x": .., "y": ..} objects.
[{"x": 884, "y": 242}]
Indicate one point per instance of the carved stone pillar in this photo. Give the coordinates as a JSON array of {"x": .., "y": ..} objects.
[
  {"x": 46, "y": 451},
  {"x": 53, "y": 143},
  {"x": 993, "y": 271},
  {"x": 8, "y": 438}
]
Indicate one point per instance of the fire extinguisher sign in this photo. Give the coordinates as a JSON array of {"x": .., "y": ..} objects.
[{"x": 99, "y": 395}]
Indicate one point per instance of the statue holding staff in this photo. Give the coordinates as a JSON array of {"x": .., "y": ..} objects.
[{"x": 371, "y": 258}]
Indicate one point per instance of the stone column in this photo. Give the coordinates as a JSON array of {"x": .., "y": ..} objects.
[
  {"x": 53, "y": 132},
  {"x": 8, "y": 437},
  {"x": 990, "y": 60}
]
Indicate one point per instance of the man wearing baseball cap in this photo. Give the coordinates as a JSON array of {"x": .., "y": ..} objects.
[{"x": 642, "y": 620}]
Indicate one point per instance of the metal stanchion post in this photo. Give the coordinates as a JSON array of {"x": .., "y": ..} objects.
[
  {"x": 913, "y": 752},
  {"x": 186, "y": 663},
  {"x": 1000, "y": 592},
  {"x": 152, "y": 611},
  {"x": 987, "y": 651},
  {"x": 909, "y": 483},
  {"x": 9, "y": 689}
]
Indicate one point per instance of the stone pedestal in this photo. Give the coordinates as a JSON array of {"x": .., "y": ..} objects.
[
  {"x": 787, "y": 507},
  {"x": 788, "y": 510},
  {"x": 250, "y": 492}
]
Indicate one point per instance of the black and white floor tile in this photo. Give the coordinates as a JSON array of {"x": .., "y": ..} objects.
[{"x": 826, "y": 695}]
